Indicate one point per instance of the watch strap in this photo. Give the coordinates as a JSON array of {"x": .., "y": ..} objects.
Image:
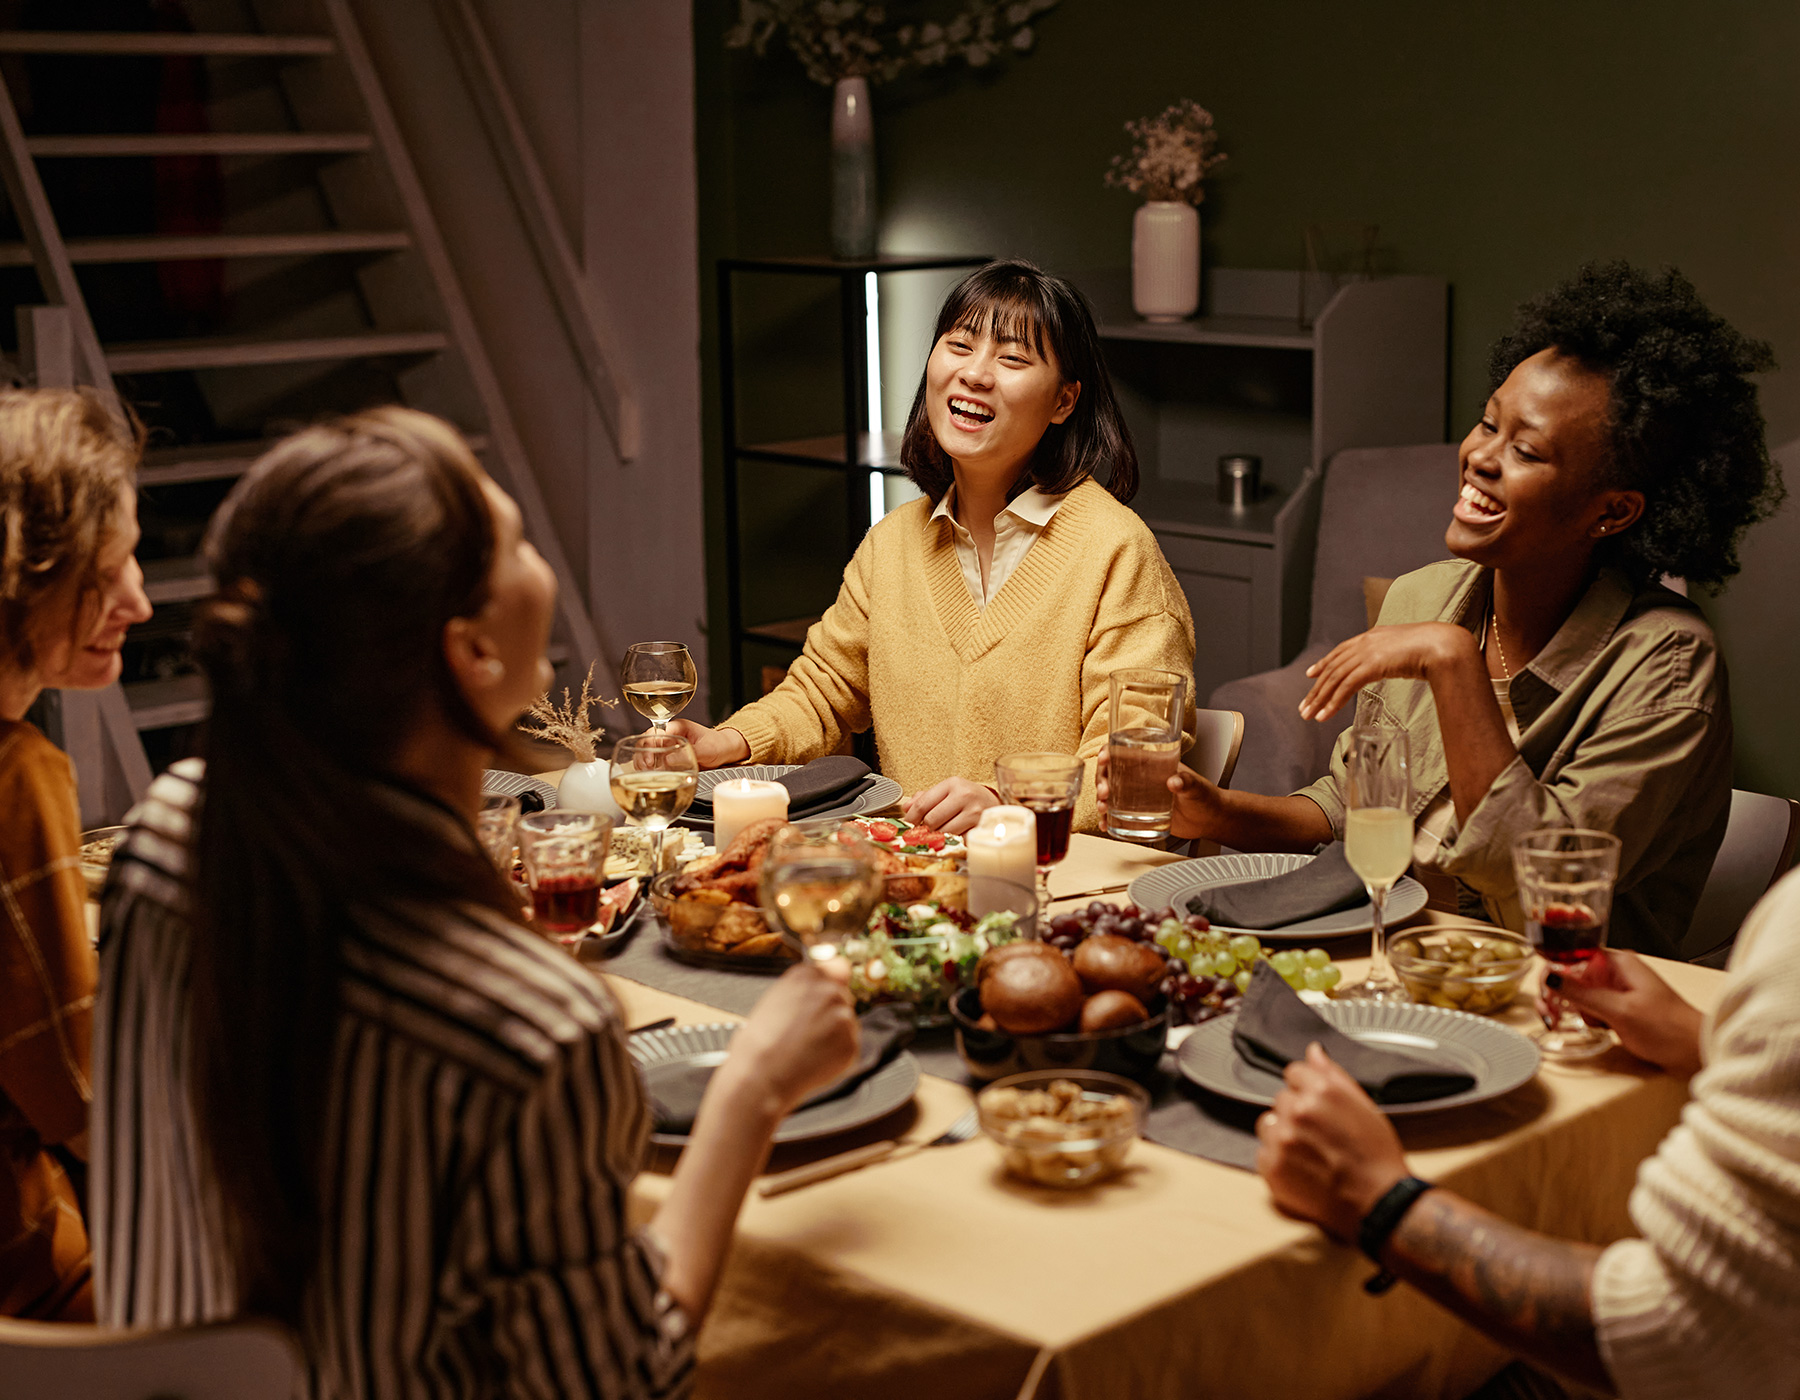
[{"x": 1380, "y": 1223}]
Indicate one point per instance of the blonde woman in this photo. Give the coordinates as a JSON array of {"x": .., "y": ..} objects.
[{"x": 69, "y": 589}]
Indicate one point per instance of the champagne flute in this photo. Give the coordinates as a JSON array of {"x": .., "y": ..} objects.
[
  {"x": 820, "y": 882},
  {"x": 1047, "y": 785},
  {"x": 653, "y": 779},
  {"x": 1378, "y": 838},
  {"x": 1565, "y": 877},
  {"x": 659, "y": 680}
]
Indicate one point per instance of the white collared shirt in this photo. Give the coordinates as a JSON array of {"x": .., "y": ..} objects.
[{"x": 1019, "y": 523}]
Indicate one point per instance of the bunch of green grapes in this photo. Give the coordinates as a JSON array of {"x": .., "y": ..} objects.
[{"x": 1210, "y": 953}]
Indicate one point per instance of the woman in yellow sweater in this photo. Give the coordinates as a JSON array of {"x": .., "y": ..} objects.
[
  {"x": 985, "y": 619},
  {"x": 69, "y": 589}
]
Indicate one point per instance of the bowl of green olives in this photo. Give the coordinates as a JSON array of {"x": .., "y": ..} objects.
[{"x": 1461, "y": 966}]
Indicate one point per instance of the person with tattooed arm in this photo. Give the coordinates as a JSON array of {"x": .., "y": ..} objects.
[{"x": 1707, "y": 1301}]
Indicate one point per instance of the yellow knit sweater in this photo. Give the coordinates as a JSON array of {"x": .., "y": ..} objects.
[{"x": 950, "y": 687}]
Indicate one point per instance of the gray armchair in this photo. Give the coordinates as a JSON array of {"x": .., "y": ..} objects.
[{"x": 1382, "y": 513}]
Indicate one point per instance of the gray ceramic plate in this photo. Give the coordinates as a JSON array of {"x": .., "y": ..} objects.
[
  {"x": 885, "y": 793},
  {"x": 1168, "y": 886},
  {"x": 494, "y": 780},
  {"x": 1498, "y": 1056},
  {"x": 889, "y": 1088}
]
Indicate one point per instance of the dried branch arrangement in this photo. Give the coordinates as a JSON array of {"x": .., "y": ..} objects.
[{"x": 567, "y": 724}]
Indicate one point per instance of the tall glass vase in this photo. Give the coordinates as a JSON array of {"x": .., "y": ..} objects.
[{"x": 852, "y": 170}]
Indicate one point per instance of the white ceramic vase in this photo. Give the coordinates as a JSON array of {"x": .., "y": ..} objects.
[
  {"x": 852, "y": 170},
  {"x": 587, "y": 787},
  {"x": 1165, "y": 260}
]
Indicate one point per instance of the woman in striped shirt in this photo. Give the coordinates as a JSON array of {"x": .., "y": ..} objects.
[{"x": 336, "y": 1083}]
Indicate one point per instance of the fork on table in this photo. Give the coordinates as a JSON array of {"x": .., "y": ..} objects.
[{"x": 960, "y": 1131}]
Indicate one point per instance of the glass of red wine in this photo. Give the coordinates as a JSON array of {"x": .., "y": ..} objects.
[
  {"x": 1047, "y": 785},
  {"x": 1565, "y": 877},
  {"x": 565, "y": 866}
]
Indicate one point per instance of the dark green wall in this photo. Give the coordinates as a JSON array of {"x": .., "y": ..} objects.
[{"x": 1498, "y": 145}]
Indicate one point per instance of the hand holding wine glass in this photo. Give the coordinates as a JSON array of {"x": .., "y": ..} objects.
[
  {"x": 1378, "y": 838},
  {"x": 654, "y": 776},
  {"x": 1565, "y": 877},
  {"x": 659, "y": 680}
]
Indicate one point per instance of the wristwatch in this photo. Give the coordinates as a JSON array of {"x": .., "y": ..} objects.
[{"x": 1382, "y": 1220}]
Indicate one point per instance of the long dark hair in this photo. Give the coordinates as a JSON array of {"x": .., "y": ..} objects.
[
  {"x": 1016, "y": 300},
  {"x": 339, "y": 558}
]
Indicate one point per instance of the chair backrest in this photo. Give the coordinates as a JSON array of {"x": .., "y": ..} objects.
[
  {"x": 224, "y": 1361},
  {"x": 1218, "y": 735},
  {"x": 1758, "y": 850},
  {"x": 1383, "y": 513}
]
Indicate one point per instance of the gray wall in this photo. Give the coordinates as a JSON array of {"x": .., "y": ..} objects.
[{"x": 1498, "y": 145}]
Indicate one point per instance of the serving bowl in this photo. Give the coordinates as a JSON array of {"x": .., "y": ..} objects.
[
  {"x": 1461, "y": 967},
  {"x": 1063, "y": 1127},
  {"x": 918, "y": 959},
  {"x": 990, "y": 1054},
  {"x": 709, "y": 928}
]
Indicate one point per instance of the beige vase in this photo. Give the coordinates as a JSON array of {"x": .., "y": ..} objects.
[{"x": 1165, "y": 260}]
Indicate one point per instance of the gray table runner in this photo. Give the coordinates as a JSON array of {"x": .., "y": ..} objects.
[{"x": 1182, "y": 1116}]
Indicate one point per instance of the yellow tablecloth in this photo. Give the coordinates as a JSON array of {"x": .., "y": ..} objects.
[{"x": 939, "y": 1276}]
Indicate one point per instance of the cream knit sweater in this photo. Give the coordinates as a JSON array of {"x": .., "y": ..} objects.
[
  {"x": 1707, "y": 1303},
  {"x": 950, "y": 687}
]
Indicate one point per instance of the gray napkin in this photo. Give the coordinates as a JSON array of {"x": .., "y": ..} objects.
[
  {"x": 1274, "y": 1026},
  {"x": 676, "y": 1089},
  {"x": 821, "y": 785},
  {"x": 1325, "y": 884}
]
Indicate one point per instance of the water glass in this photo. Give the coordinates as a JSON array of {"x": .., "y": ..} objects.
[
  {"x": 1144, "y": 741},
  {"x": 1378, "y": 838},
  {"x": 494, "y": 826},
  {"x": 1565, "y": 877},
  {"x": 565, "y": 866},
  {"x": 1047, "y": 785}
]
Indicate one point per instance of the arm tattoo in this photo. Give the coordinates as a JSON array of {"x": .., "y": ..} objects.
[{"x": 1525, "y": 1290}]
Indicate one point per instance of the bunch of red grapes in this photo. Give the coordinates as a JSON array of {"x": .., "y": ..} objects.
[{"x": 1192, "y": 998}]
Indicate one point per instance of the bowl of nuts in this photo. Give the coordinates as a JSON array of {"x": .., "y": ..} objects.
[
  {"x": 1061, "y": 1127},
  {"x": 1461, "y": 967}
]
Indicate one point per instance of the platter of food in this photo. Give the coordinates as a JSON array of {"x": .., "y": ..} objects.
[
  {"x": 900, "y": 837},
  {"x": 884, "y": 793},
  {"x": 97, "y": 847},
  {"x": 1497, "y": 1056},
  {"x": 1172, "y": 885},
  {"x": 923, "y": 944},
  {"x": 711, "y": 911},
  {"x": 674, "y": 1057}
]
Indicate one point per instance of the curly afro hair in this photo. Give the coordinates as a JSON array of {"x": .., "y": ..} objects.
[{"x": 1685, "y": 426}]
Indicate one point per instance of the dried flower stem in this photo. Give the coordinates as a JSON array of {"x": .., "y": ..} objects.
[{"x": 567, "y": 724}]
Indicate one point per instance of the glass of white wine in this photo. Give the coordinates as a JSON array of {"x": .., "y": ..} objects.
[
  {"x": 653, "y": 780},
  {"x": 820, "y": 882},
  {"x": 659, "y": 680},
  {"x": 1378, "y": 838}
]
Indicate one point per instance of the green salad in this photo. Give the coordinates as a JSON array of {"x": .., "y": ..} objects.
[{"x": 922, "y": 954}]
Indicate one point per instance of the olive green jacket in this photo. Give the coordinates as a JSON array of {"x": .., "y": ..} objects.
[{"x": 1624, "y": 726}]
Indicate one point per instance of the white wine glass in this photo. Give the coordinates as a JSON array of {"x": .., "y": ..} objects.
[
  {"x": 659, "y": 680},
  {"x": 653, "y": 779},
  {"x": 820, "y": 882},
  {"x": 1378, "y": 838}
]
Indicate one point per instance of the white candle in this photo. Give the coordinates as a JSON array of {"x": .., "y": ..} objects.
[
  {"x": 1004, "y": 846},
  {"x": 739, "y": 801}
]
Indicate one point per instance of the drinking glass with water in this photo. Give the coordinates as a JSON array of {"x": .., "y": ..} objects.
[{"x": 1144, "y": 742}]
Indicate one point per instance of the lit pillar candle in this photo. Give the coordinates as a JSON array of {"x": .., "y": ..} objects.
[
  {"x": 1003, "y": 846},
  {"x": 737, "y": 802}
]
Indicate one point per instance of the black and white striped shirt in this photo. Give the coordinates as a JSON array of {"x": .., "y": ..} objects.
[{"x": 483, "y": 1126}]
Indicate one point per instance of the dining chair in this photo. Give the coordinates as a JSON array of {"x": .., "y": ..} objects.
[
  {"x": 1218, "y": 736},
  {"x": 1760, "y": 838},
  {"x": 219, "y": 1361}
]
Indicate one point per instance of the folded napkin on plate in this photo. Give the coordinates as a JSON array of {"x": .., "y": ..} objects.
[
  {"x": 1324, "y": 885},
  {"x": 821, "y": 785},
  {"x": 676, "y": 1089},
  {"x": 1274, "y": 1026}
]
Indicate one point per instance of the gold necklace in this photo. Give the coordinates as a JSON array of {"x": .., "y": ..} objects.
[{"x": 1500, "y": 646}]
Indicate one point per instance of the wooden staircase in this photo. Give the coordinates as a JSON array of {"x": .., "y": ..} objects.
[{"x": 394, "y": 312}]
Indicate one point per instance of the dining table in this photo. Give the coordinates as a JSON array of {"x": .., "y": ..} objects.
[{"x": 937, "y": 1274}]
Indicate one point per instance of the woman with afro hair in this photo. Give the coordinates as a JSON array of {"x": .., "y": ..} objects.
[{"x": 1563, "y": 683}]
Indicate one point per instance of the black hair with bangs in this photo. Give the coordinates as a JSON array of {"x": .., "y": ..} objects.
[{"x": 1015, "y": 300}]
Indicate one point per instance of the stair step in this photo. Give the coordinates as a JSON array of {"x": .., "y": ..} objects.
[
  {"x": 161, "y": 704},
  {"x": 176, "y": 580},
  {"x": 219, "y": 461},
  {"x": 204, "y": 143},
  {"x": 206, "y": 352},
  {"x": 216, "y": 245},
  {"x": 222, "y": 45}
]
